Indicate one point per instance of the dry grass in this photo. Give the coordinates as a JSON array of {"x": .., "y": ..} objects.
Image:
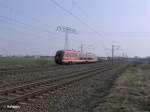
[{"x": 130, "y": 92}]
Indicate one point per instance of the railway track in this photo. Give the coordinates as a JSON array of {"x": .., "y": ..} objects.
[
  {"x": 25, "y": 91},
  {"x": 19, "y": 78},
  {"x": 37, "y": 69},
  {"x": 51, "y": 74}
]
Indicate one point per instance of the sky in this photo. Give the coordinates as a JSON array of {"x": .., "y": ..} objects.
[{"x": 28, "y": 27}]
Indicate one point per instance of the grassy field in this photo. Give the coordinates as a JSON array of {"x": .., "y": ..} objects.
[
  {"x": 130, "y": 93},
  {"x": 24, "y": 61}
]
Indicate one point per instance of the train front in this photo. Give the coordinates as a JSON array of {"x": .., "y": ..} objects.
[{"x": 59, "y": 57}]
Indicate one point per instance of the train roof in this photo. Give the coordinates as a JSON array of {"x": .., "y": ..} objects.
[
  {"x": 74, "y": 51},
  {"x": 68, "y": 51}
]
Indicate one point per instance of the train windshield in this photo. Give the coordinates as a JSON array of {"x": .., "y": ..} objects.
[{"x": 59, "y": 57}]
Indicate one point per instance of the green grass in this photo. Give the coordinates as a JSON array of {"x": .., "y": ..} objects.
[{"x": 24, "y": 61}]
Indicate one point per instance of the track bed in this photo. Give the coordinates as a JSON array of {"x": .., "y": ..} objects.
[{"x": 71, "y": 91}]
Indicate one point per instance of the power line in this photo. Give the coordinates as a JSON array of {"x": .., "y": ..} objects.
[
  {"x": 22, "y": 13},
  {"x": 22, "y": 23},
  {"x": 79, "y": 8},
  {"x": 76, "y": 17},
  {"x": 10, "y": 19},
  {"x": 86, "y": 15},
  {"x": 67, "y": 30},
  {"x": 30, "y": 32}
]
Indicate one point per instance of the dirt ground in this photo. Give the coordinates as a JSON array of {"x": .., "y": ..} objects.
[{"x": 130, "y": 93}]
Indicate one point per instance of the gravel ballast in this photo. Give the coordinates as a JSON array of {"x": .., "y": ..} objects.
[{"x": 81, "y": 96}]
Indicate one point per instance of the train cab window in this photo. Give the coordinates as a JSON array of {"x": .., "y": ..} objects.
[
  {"x": 59, "y": 57},
  {"x": 59, "y": 54}
]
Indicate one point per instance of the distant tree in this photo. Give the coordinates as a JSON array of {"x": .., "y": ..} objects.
[{"x": 136, "y": 57}]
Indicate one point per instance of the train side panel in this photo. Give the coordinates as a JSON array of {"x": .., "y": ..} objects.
[{"x": 70, "y": 56}]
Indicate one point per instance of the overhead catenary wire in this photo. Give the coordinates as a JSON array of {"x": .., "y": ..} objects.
[
  {"x": 33, "y": 32},
  {"x": 35, "y": 19},
  {"x": 86, "y": 15},
  {"x": 29, "y": 32},
  {"x": 70, "y": 13},
  {"x": 78, "y": 19},
  {"x": 22, "y": 23},
  {"x": 80, "y": 9}
]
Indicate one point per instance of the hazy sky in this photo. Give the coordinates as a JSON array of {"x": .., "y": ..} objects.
[{"x": 29, "y": 26}]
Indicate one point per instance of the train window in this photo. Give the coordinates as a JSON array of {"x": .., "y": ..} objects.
[
  {"x": 78, "y": 55},
  {"x": 67, "y": 55},
  {"x": 75, "y": 55},
  {"x": 70, "y": 55}
]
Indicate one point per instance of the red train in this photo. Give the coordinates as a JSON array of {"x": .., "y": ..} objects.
[{"x": 71, "y": 56}]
